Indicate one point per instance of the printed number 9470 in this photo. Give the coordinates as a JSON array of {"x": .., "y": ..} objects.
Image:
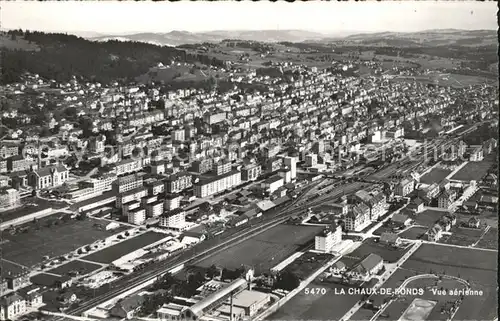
[{"x": 315, "y": 291}]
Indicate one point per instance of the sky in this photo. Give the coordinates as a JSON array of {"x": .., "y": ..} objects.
[{"x": 112, "y": 17}]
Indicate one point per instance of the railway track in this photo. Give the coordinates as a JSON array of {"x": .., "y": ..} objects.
[
  {"x": 186, "y": 258},
  {"x": 296, "y": 207}
]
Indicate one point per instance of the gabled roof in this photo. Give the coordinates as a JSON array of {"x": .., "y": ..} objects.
[
  {"x": 417, "y": 201},
  {"x": 10, "y": 299},
  {"x": 130, "y": 303},
  {"x": 367, "y": 264},
  {"x": 46, "y": 171}
]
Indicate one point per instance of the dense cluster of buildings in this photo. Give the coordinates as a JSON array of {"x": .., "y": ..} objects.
[{"x": 150, "y": 153}]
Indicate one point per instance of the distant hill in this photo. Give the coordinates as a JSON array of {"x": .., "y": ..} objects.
[
  {"x": 406, "y": 39},
  {"x": 425, "y": 38},
  {"x": 175, "y": 38}
]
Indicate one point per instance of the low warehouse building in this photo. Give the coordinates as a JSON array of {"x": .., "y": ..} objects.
[{"x": 251, "y": 301}]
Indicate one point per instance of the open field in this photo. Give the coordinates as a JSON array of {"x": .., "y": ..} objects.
[
  {"x": 472, "y": 171},
  {"x": 265, "y": 250},
  {"x": 178, "y": 73},
  {"x": 449, "y": 80},
  {"x": 383, "y": 229},
  {"x": 489, "y": 240},
  {"x": 30, "y": 205},
  {"x": 17, "y": 43},
  {"x": 386, "y": 252},
  {"x": 31, "y": 247},
  {"x": 463, "y": 236},
  {"x": 78, "y": 266},
  {"x": 114, "y": 252},
  {"x": 425, "y": 61},
  {"x": 428, "y": 217},
  {"x": 476, "y": 266},
  {"x": 322, "y": 306},
  {"x": 436, "y": 175},
  {"x": 453, "y": 257},
  {"x": 414, "y": 233}
]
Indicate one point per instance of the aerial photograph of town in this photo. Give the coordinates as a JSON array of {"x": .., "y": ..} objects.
[{"x": 249, "y": 161}]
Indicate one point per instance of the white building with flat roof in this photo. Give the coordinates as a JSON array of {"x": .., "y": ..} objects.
[{"x": 327, "y": 239}]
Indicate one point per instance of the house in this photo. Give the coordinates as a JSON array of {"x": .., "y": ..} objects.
[
  {"x": 190, "y": 237},
  {"x": 473, "y": 222},
  {"x": 375, "y": 201},
  {"x": 32, "y": 296},
  {"x": 390, "y": 239},
  {"x": 416, "y": 204},
  {"x": 14, "y": 275},
  {"x": 488, "y": 201},
  {"x": 452, "y": 218},
  {"x": 400, "y": 220},
  {"x": 476, "y": 154},
  {"x": 405, "y": 187},
  {"x": 445, "y": 199},
  {"x": 338, "y": 268},
  {"x": 12, "y": 306},
  {"x": 491, "y": 180},
  {"x": 370, "y": 265},
  {"x": 127, "y": 307},
  {"x": 358, "y": 217},
  {"x": 445, "y": 224},
  {"x": 170, "y": 311},
  {"x": 67, "y": 298},
  {"x": 435, "y": 233}
]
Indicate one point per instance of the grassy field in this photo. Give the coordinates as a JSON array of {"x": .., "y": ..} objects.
[
  {"x": 30, "y": 205},
  {"x": 30, "y": 248},
  {"x": 112, "y": 253},
  {"x": 476, "y": 266},
  {"x": 387, "y": 253},
  {"x": 462, "y": 236},
  {"x": 414, "y": 233},
  {"x": 265, "y": 250},
  {"x": 323, "y": 306},
  {"x": 177, "y": 73},
  {"x": 436, "y": 175},
  {"x": 428, "y": 217},
  {"x": 472, "y": 171},
  {"x": 448, "y": 80},
  {"x": 489, "y": 240},
  {"x": 381, "y": 230},
  {"x": 75, "y": 266},
  {"x": 18, "y": 43}
]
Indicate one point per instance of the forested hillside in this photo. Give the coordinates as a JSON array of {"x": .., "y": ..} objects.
[{"x": 61, "y": 56}]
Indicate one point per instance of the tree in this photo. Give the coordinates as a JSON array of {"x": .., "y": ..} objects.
[
  {"x": 164, "y": 282},
  {"x": 213, "y": 271},
  {"x": 153, "y": 302},
  {"x": 82, "y": 216},
  {"x": 225, "y": 274},
  {"x": 287, "y": 281}
]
